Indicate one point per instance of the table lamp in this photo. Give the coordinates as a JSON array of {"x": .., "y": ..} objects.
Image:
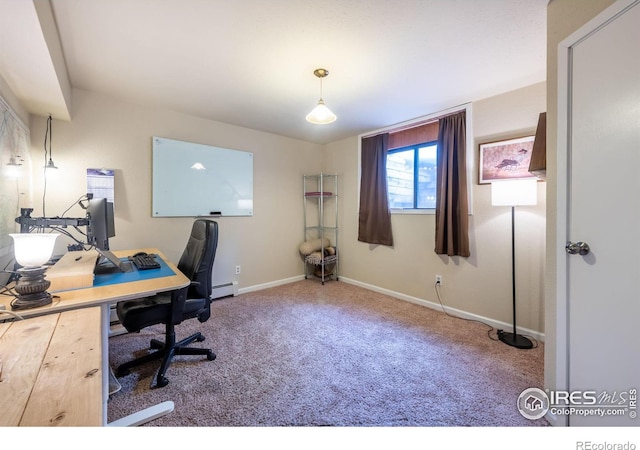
[
  {"x": 514, "y": 193},
  {"x": 32, "y": 251}
]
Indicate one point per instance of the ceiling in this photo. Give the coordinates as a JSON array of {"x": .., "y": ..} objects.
[{"x": 250, "y": 62}]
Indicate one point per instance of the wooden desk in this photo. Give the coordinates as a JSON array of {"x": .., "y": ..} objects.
[
  {"x": 97, "y": 296},
  {"x": 103, "y": 296},
  {"x": 52, "y": 370}
]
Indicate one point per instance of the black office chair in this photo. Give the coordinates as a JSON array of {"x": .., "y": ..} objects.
[{"x": 171, "y": 308}]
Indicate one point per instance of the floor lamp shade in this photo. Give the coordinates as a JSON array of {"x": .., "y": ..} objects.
[{"x": 514, "y": 193}]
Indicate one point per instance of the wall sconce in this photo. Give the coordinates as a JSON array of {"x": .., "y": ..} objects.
[
  {"x": 32, "y": 251},
  {"x": 321, "y": 114},
  {"x": 13, "y": 168}
]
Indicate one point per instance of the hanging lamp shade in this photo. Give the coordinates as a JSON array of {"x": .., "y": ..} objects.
[{"x": 321, "y": 115}]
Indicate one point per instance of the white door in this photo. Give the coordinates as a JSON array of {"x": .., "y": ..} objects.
[{"x": 603, "y": 211}]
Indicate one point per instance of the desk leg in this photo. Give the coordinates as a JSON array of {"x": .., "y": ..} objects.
[
  {"x": 105, "y": 322},
  {"x": 135, "y": 419}
]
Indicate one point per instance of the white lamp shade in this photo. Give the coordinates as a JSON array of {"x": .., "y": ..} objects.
[
  {"x": 514, "y": 192},
  {"x": 321, "y": 114},
  {"x": 33, "y": 250}
]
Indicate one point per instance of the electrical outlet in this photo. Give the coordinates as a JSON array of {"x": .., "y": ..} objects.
[
  {"x": 238, "y": 270},
  {"x": 439, "y": 280}
]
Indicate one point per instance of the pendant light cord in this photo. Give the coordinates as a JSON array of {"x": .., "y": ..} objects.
[{"x": 47, "y": 136}]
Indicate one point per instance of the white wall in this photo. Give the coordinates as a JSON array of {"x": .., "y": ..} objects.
[
  {"x": 12, "y": 101},
  {"x": 108, "y": 133},
  {"x": 480, "y": 284}
]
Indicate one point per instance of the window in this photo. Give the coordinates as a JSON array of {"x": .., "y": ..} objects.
[{"x": 412, "y": 176}]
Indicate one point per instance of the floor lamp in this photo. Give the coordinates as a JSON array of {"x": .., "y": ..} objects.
[{"x": 514, "y": 193}]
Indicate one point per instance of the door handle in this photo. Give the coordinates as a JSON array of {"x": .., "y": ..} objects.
[{"x": 574, "y": 248}]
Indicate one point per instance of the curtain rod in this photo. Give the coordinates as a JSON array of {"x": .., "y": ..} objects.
[{"x": 416, "y": 122}]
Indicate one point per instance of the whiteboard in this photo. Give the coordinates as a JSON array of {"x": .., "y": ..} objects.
[{"x": 191, "y": 180}]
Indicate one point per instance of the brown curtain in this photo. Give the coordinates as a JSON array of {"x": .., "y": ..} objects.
[
  {"x": 452, "y": 206},
  {"x": 374, "y": 220}
]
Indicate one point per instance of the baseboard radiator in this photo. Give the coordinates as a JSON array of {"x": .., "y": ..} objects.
[{"x": 225, "y": 290}]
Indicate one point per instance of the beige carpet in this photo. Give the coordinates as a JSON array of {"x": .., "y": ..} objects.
[{"x": 305, "y": 354}]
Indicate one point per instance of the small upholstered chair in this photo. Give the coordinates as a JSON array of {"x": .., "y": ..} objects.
[{"x": 171, "y": 308}]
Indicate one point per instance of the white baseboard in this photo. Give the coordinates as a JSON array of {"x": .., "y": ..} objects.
[
  {"x": 259, "y": 287},
  {"x": 452, "y": 311}
]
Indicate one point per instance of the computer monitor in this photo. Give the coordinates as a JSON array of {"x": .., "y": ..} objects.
[
  {"x": 101, "y": 223},
  {"x": 100, "y": 228}
]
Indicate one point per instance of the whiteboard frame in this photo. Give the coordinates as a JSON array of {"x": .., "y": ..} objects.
[{"x": 221, "y": 185}]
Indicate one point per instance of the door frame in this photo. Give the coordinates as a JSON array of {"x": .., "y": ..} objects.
[{"x": 563, "y": 181}]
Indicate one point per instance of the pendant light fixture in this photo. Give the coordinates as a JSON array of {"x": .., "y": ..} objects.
[
  {"x": 321, "y": 114},
  {"x": 47, "y": 136}
]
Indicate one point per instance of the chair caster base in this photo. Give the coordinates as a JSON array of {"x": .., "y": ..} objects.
[{"x": 162, "y": 381}]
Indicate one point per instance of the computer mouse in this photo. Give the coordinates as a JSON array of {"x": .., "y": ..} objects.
[{"x": 140, "y": 254}]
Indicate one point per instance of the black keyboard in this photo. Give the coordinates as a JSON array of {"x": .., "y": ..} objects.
[{"x": 145, "y": 262}]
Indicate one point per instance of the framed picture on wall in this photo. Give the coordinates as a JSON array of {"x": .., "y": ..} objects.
[{"x": 505, "y": 160}]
